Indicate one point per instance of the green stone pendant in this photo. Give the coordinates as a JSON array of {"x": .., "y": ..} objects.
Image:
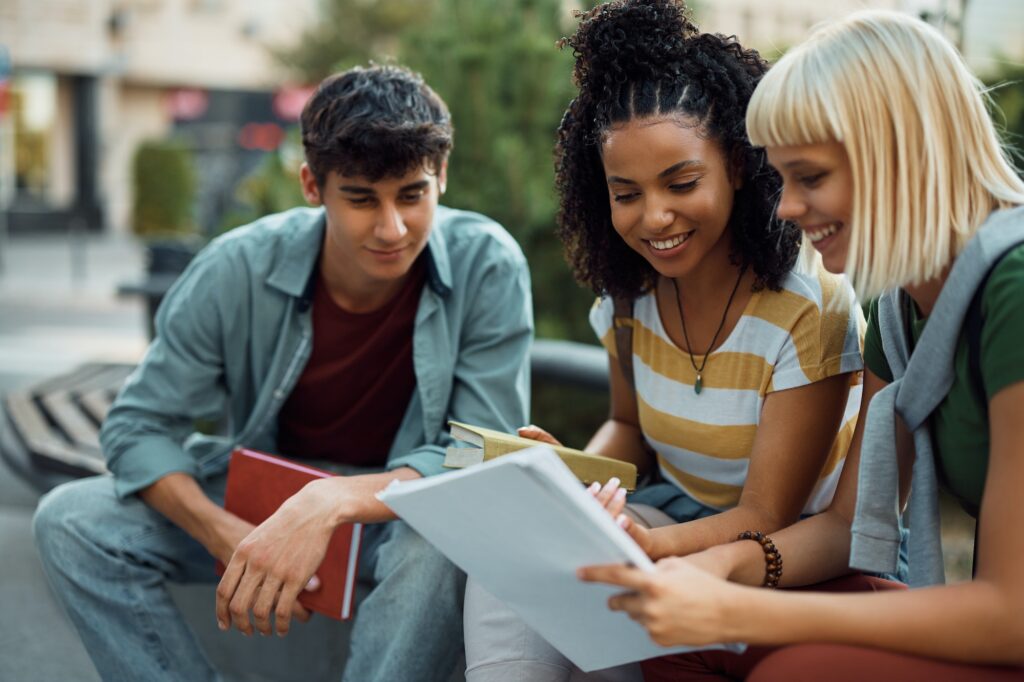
[{"x": 699, "y": 385}]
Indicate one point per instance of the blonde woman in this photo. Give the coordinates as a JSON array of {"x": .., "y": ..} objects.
[{"x": 893, "y": 170}]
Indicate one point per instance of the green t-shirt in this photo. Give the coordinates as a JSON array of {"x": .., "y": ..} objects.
[{"x": 959, "y": 425}]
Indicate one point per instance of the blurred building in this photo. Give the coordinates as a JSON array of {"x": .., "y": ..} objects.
[
  {"x": 990, "y": 33},
  {"x": 775, "y": 25},
  {"x": 90, "y": 79}
]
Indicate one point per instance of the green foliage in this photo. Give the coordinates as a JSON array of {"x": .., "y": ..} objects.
[
  {"x": 273, "y": 187},
  {"x": 165, "y": 187},
  {"x": 496, "y": 65},
  {"x": 1007, "y": 93},
  {"x": 350, "y": 32}
]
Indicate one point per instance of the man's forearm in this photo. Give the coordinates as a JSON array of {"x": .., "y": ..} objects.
[
  {"x": 355, "y": 497},
  {"x": 179, "y": 497}
]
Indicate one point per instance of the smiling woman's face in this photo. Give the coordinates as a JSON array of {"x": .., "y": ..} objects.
[
  {"x": 817, "y": 195},
  {"x": 671, "y": 192}
]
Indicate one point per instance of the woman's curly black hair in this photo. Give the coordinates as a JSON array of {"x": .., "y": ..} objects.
[{"x": 640, "y": 58}]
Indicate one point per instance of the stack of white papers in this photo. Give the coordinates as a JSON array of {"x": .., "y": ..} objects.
[{"x": 521, "y": 525}]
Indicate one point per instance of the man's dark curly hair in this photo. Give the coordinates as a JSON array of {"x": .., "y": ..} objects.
[
  {"x": 375, "y": 122},
  {"x": 643, "y": 58}
]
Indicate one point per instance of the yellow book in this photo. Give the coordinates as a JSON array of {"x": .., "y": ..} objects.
[{"x": 487, "y": 444}]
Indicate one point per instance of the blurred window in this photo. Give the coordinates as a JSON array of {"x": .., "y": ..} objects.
[{"x": 33, "y": 107}]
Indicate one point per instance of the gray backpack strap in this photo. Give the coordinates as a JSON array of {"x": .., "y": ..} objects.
[{"x": 622, "y": 322}]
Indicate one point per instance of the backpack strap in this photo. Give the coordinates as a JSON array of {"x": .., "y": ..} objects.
[{"x": 622, "y": 322}]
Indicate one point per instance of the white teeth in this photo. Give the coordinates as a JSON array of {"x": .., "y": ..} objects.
[
  {"x": 821, "y": 234},
  {"x": 669, "y": 243}
]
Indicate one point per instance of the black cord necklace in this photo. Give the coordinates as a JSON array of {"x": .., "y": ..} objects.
[{"x": 699, "y": 384}]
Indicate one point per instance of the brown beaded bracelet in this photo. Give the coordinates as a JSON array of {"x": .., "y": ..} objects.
[{"x": 772, "y": 558}]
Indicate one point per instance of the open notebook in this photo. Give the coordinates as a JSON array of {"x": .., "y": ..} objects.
[{"x": 521, "y": 525}]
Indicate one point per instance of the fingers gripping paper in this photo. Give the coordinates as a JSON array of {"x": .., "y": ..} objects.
[{"x": 521, "y": 525}]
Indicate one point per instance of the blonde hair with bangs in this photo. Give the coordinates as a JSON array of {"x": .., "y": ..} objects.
[{"x": 926, "y": 162}]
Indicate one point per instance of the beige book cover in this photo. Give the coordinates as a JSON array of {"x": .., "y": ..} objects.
[{"x": 486, "y": 444}]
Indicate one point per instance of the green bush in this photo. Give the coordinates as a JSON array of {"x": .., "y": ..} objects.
[
  {"x": 271, "y": 188},
  {"x": 165, "y": 187},
  {"x": 1007, "y": 97}
]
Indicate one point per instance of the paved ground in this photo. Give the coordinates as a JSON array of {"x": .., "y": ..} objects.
[{"x": 57, "y": 309}]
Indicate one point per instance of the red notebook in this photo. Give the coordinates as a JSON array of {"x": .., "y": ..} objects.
[{"x": 258, "y": 484}]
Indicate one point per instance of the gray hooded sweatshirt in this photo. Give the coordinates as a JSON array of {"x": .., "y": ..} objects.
[{"x": 920, "y": 382}]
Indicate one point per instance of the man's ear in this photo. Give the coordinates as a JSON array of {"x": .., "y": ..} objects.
[
  {"x": 310, "y": 187},
  {"x": 442, "y": 177}
]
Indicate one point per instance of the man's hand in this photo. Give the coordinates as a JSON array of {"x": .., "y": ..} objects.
[
  {"x": 276, "y": 561},
  {"x": 222, "y": 535},
  {"x": 179, "y": 497}
]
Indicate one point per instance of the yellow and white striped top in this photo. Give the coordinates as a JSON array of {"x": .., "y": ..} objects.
[{"x": 784, "y": 339}]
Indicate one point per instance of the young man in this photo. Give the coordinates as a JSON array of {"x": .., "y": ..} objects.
[{"x": 351, "y": 333}]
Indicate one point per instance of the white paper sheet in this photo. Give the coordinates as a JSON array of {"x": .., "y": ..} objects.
[{"x": 521, "y": 525}]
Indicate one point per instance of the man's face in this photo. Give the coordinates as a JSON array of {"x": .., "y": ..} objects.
[{"x": 375, "y": 230}]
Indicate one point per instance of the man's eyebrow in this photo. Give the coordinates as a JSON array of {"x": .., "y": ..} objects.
[
  {"x": 419, "y": 184},
  {"x": 356, "y": 189}
]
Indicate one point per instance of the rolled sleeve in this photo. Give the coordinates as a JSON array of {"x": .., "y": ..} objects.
[
  {"x": 179, "y": 381},
  {"x": 426, "y": 460}
]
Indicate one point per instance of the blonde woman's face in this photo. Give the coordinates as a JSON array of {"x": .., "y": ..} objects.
[{"x": 817, "y": 195}]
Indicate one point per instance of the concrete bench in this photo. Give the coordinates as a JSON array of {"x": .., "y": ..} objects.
[{"x": 57, "y": 421}]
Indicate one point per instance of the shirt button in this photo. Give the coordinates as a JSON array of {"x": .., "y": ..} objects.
[{"x": 279, "y": 394}]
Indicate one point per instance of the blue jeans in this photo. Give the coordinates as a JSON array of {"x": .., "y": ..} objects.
[{"x": 109, "y": 562}]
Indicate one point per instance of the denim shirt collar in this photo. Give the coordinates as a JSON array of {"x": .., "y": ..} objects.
[{"x": 296, "y": 269}]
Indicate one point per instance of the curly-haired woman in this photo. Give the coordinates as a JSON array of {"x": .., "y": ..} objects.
[
  {"x": 745, "y": 367},
  {"x": 893, "y": 168}
]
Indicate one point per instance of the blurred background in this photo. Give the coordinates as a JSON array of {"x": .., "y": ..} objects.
[
  {"x": 133, "y": 131},
  {"x": 126, "y": 124}
]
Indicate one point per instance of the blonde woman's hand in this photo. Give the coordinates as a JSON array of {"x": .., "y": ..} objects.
[{"x": 677, "y": 603}]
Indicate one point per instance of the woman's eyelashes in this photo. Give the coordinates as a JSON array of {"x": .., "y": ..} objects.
[
  {"x": 811, "y": 180},
  {"x": 683, "y": 186},
  {"x": 676, "y": 187}
]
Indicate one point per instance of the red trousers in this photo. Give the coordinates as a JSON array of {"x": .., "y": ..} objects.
[{"x": 819, "y": 662}]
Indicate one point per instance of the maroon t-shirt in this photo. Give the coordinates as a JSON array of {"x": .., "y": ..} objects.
[{"x": 349, "y": 402}]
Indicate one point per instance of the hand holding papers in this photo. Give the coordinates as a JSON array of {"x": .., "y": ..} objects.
[{"x": 521, "y": 525}]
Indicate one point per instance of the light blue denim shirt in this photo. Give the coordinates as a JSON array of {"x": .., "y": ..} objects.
[{"x": 234, "y": 333}]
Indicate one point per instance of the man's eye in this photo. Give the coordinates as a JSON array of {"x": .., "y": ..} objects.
[
  {"x": 413, "y": 197},
  {"x": 359, "y": 201}
]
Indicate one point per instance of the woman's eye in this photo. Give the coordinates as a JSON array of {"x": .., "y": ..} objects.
[
  {"x": 811, "y": 180},
  {"x": 683, "y": 186},
  {"x": 625, "y": 196}
]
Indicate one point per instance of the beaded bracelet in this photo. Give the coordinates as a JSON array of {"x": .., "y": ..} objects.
[{"x": 772, "y": 558}]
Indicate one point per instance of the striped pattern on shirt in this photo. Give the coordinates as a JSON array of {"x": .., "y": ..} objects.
[{"x": 810, "y": 330}]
